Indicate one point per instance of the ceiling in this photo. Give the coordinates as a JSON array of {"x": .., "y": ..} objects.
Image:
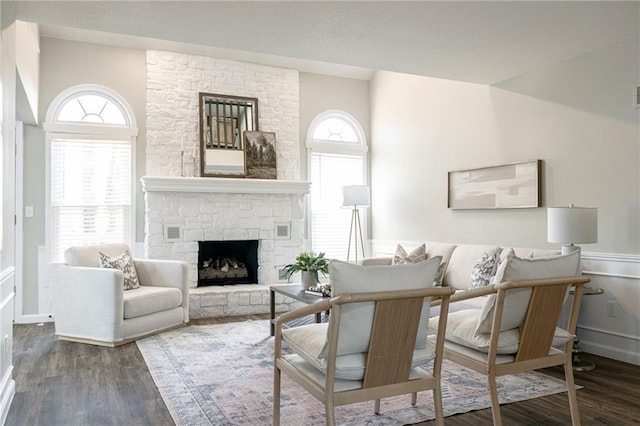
[{"x": 480, "y": 42}]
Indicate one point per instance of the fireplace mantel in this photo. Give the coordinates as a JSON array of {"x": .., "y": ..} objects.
[{"x": 223, "y": 185}]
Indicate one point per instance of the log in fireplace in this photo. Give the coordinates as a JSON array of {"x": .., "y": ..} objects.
[{"x": 227, "y": 262}]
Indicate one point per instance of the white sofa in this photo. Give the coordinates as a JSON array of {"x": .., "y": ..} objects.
[
  {"x": 460, "y": 259},
  {"x": 90, "y": 304},
  {"x": 471, "y": 309}
]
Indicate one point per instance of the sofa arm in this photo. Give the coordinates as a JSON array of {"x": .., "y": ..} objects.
[
  {"x": 374, "y": 261},
  {"x": 165, "y": 273},
  {"x": 87, "y": 302}
]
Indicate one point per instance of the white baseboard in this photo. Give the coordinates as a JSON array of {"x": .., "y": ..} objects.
[
  {"x": 8, "y": 391},
  {"x": 609, "y": 351}
]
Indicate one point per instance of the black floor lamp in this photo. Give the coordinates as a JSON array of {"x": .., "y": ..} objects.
[{"x": 355, "y": 196}]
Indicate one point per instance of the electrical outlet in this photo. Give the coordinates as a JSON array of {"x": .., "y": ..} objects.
[{"x": 612, "y": 309}]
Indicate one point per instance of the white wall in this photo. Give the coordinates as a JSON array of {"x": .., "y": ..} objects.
[
  {"x": 576, "y": 116},
  {"x": 319, "y": 93},
  {"x": 28, "y": 62}
]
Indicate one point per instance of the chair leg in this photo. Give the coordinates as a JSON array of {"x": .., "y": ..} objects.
[
  {"x": 276, "y": 396},
  {"x": 495, "y": 402},
  {"x": 437, "y": 405},
  {"x": 376, "y": 406},
  {"x": 330, "y": 415},
  {"x": 571, "y": 391},
  {"x": 414, "y": 398}
]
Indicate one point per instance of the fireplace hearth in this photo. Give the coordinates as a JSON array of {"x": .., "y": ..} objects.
[{"x": 227, "y": 262}]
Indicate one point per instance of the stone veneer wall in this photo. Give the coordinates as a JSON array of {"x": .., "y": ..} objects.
[{"x": 173, "y": 83}]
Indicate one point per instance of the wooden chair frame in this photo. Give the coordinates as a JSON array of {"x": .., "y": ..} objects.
[
  {"x": 393, "y": 336},
  {"x": 536, "y": 335}
]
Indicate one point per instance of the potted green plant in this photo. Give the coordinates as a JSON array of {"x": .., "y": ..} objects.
[{"x": 308, "y": 264}]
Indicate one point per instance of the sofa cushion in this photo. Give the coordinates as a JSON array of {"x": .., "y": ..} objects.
[
  {"x": 483, "y": 270},
  {"x": 416, "y": 255},
  {"x": 124, "y": 263},
  {"x": 443, "y": 250},
  {"x": 355, "y": 325},
  {"x": 308, "y": 341},
  {"x": 146, "y": 300},
  {"x": 461, "y": 264},
  {"x": 461, "y": 330},
  {"x": 516, "y": 301},
  {"x": 524, "y": 252},
  {"x": 89, "y": 255}
]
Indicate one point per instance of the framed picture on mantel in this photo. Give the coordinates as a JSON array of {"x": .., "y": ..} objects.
[
  {"x": 509, "y": 186},
  {"x": 260, "y": 155}
]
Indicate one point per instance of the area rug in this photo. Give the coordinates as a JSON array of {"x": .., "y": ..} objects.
[{"x": 222, "y": 374}]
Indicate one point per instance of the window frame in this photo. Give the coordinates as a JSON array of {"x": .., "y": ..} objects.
[
  {"x": 55, "y": 129},
  {"x": 325, "y": 146}
]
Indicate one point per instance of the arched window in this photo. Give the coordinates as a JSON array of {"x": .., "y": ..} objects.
[
  {"x": 91, "y": 134},
  {"x": 337, "y": 157}
]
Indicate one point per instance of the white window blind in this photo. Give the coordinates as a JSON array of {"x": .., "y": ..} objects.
[
  {"x": 330, "y": 222},
  {"x": 90, "y": 192}
]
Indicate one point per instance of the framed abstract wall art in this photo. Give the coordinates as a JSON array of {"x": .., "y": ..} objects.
[{"x": 508, "y": 186}]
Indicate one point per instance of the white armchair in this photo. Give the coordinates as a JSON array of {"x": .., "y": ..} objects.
[{"x": 90, "y": 304}]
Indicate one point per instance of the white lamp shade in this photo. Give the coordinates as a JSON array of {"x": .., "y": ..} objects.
[
  {"x": 569, "y": 225},
  {"x": 355, "y": 195}
]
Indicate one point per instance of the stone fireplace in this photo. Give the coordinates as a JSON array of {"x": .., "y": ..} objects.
[{"x": 181, "y": 212}]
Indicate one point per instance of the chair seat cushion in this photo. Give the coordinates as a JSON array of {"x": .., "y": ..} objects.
[
  {"x": 482, "y": 356},
  {"x": 307, "y": 341},
  {"x": 339, "y": 385},
  {"x": 146, "y": 300},
  {"x": 461, "y": 327}
]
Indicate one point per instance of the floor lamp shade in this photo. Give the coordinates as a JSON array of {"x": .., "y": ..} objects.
[
  {"x": 572, "y": 225},
  {"x": 355, "y": 195}
]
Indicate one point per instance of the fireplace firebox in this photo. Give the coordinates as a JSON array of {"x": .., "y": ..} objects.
[{"x": 227, "y": 262}]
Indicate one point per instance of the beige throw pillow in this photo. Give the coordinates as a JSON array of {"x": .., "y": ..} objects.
[
  {"x": 123, "y": 263},
  {"x": 416, "y": 255}
]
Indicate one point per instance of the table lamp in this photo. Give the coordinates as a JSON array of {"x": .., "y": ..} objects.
[
  {"x": 355, "y": 196},
  {"x": 572, "y": 225},
  {"x": 569, "y": 225}
]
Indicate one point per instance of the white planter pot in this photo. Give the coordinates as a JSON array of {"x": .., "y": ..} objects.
[{"x": 308, "y": 279}]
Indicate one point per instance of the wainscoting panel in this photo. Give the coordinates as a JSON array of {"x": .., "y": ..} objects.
[
  {"x": 7, "y": 301},
  {"x": 609, "y": 323}
]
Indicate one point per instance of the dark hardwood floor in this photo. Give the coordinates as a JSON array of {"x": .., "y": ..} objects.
[{"x": 63, "y": 383}]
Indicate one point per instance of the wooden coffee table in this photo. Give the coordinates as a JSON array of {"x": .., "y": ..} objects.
[{"x": 295, "y": 292}]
